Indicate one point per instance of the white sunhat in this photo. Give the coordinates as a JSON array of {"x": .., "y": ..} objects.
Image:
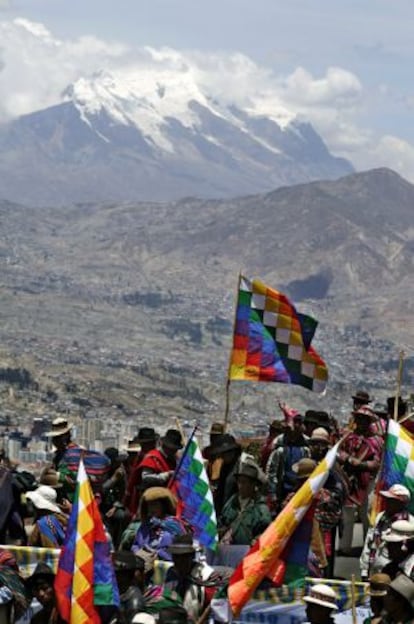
[
  {"x": 400, "y": 531},
  {"x": 322, "y": 595},
  {"x": 44, "y": 498}
]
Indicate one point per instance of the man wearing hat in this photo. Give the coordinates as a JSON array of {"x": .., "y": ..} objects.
[
  {"x": 375, "y": 554},
  {"x": 158, "y": 465},
  {"x": 187, "y": 577},
  {"x": 40, "y": 586},
  {"x": 67, "y": 457},
  {"x": 320, "y": 604},
  {"x": 276, "y": 427},
  {"x": 288, "y": 449},
  {"x": 129, "y": 571},
  {"x": 147, "y": 439},
  {"x": 217, "y": 429},
  {"x": 245, "y": 515},
  {"x": 226, "y": 451},
  {"x": 360, "y": 457}
]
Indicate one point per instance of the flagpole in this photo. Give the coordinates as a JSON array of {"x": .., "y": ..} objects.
[
  {"x": 227, "y": 408},
  {"x": 353, "y": 598},
  {"x": 398, "y": 390}
]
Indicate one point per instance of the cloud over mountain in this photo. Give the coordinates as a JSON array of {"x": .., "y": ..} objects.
[{"x": 36, "y": 66}]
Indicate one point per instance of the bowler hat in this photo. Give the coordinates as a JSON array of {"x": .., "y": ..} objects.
[
  {"x": 223, "y": 444},
  {"x": 147, "y": 434},
  {"x": 172, "y": 439},
  {"x": 217, "y": 428},
  {"x": 361, "y": 396},
  {"x": 126, "y": 561},
  {"x": 182, "y": 545}
]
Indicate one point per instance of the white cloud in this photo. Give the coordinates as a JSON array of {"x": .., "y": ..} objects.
[{"x": 36, "y": 67}]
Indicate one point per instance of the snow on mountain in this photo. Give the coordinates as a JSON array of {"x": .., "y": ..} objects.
[
  {"x": 148, "y": 99},
  {"x": 157, "y": 133}
]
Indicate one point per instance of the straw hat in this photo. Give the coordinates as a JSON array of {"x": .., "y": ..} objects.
[
  {"x": 320, "y": 435},
  {"x": 44, "y": 498},
  {"x": 60, "y": 426},
  {"x": 322, "y": 595}
]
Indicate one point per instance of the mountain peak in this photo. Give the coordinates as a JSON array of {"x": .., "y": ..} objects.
[{"x": 158, "y": 135}]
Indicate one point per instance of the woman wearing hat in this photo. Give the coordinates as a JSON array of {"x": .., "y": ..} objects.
[
  {"x": 158, "y": 522},
  {"x": 49, "y": 522},
  {"x": 245, "y": 515}
]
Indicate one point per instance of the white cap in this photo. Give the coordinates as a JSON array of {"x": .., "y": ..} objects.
[{"x": 397, "y": 491}]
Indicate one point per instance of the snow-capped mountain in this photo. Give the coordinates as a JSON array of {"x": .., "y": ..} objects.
[{"x": 156, "y": 136}]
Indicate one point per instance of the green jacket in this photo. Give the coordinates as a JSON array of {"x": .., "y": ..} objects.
[{"x": 248, "y": 524}]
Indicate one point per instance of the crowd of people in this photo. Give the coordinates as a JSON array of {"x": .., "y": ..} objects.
[{"x": 250, "y": 488}]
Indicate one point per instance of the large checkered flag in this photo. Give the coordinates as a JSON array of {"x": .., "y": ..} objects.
[{"x": 272, "y": 341}]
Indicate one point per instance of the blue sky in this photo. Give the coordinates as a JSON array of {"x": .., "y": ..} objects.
[{"x": 370, "y": 100}]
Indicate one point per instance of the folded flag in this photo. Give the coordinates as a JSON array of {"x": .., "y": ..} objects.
[
  {"x": 266, "y": 551},
  {"x": 397, "y": 465},
  {"x": 85, "y": 577},
  {"x": 192, "y": 488},
  {"x": 272, "y": 341}
]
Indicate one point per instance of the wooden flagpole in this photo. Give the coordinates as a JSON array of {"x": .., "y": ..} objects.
[
  {"x": 227, "y": 408},
  {"x": 353, "y": 598},
  {"x": 399, "y": 381}
]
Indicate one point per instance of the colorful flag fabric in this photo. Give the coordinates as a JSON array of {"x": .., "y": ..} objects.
[
  {"x": 272, "y": 341},
  {"x": 192, "y": 488},
  {"x": 397, "y": 465},
  {"x": 266, "y": 551},
  {"x": 85, "y": 576}
]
